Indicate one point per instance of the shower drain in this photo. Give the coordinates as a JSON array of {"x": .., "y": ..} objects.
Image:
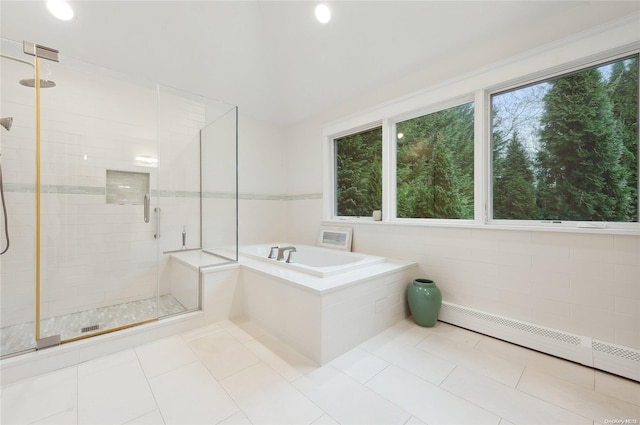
[{"x": 90, "y": 328}]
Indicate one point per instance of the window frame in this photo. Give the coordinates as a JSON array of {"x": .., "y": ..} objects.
[
  {"x": 534, "y": 80},
  {"x": 477, "y": 87},
  {"x": 330, "y": 174},
  {"x": 393, "y": 166},
  {"x": 335, "y": 138}
]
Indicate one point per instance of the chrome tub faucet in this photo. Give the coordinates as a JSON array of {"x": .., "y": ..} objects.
[{"x": 284, "y": 249}]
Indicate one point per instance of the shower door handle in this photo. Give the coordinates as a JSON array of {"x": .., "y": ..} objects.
[
  {"x": 157, "y": 211},
  {"x": 147, "y": 202}
]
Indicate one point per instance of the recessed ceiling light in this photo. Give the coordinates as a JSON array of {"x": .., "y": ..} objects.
[
  {"x": 60, "y": 9},
  {"x": 323, "y": 13}
]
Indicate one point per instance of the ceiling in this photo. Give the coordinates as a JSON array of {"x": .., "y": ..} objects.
[{"x": 275, "y": 61}]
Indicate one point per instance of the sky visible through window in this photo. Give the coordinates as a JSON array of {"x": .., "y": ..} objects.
[{"x": 520, "y": 110}]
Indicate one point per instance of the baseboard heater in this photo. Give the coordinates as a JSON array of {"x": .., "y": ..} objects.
[{"x": 617, "y": 359}]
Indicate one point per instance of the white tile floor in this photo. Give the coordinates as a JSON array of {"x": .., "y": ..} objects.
[{"x": 234, "y": 373}]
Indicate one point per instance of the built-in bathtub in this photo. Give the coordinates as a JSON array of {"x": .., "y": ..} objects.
[
  {"x": 328, "y": 301},
  {"x": 313, "y": 260}
]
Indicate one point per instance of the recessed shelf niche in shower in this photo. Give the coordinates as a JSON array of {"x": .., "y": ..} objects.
[{"x": 126, "y": 187}]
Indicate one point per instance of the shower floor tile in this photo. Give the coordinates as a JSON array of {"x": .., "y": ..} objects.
[{"x": 21, "y": 337}]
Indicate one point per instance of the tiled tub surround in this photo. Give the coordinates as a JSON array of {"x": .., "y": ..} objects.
[{"x": 323, "y": 317}]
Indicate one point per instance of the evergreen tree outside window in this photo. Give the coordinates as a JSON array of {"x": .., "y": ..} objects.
[
  {"x": 435, "y": 165},
  {"x": 359, "y": 173},
  {"x": 566, "y": 149}
]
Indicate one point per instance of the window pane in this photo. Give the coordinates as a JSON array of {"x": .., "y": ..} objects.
[
  {"x": 359, "y": 173},
  {"x": 567, "y": 148},
  {"x": 435, "y": 165}
]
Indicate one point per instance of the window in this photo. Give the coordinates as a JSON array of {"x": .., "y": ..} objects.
[
  {"x": 558, "y": 151},
  {"x": 566, "y": 149},
  {"x": 435, "y": 165},
  {"x": 359, "y": 173}
]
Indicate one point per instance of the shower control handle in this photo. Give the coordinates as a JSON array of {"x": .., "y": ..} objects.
[
  {"x": 157, "y": 211},
  {"x": 147, "y": 202}
]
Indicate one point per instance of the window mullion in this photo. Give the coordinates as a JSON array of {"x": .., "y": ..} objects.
[
  {"x": 482, "y": 158},
  {"x": 329, "y": 179},
  {"x": 388, "y": 171}
]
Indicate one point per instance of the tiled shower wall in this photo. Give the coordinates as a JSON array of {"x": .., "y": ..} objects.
[{"x": 93, "y": 253}]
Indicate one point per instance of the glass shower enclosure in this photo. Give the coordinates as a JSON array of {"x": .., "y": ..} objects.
[{"x": 104, "y": 178}]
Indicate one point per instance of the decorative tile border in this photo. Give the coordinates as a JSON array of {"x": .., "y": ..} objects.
[
  {"x": 261, "y": 197},
  {"x": 100, "y": 191},
  {"x": 303, "y": 197},
  {"x": 175, "y": 193},
  {"x": 52, "y": 188}
]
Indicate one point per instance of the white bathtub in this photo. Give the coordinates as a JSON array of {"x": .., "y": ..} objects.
[{"x": 321, "y": 262}]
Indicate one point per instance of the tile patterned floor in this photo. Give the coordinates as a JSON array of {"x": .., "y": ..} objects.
[
  {"x": 234, "y": 373},
  {"x": 21, "y": 337}
]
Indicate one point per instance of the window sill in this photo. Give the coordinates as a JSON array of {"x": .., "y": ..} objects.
[{"x": 542, "y": 227}]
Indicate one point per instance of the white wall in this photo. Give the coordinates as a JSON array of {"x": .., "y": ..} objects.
[
  {"x": 304, "y": 181},
  {"x": 588, "y": 284},
  {"x": 262, "y": 182}
]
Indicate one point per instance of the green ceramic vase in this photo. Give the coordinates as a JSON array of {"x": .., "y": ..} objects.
[{"x": 425, "y": 301}]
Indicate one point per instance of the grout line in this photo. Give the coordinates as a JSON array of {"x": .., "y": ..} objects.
[
  {"x": 77, "y": 368},
  {"x": 524, "y": 367},
  {"x": 325, "y": 414},
  {"x": 155, "y": 400},
  {"x": 554, "y": 404},
  {"x": 455, "y": 366},
  {"x": 377, "y": 373},
  {"x": 232, "y": 415},
  {"x": 216, "y": 379}
]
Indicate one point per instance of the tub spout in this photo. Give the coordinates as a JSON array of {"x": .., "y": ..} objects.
[
  {"x": 282, "y": 250},
  {"x": 291, "y": 257}
]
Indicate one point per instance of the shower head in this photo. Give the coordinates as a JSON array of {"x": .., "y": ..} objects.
[
  {"x": 6, "y": 122},
  {"x": 31, "y": 82}
]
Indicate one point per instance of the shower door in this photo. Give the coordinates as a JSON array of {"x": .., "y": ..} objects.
[{"x": 100, "y": 216}]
